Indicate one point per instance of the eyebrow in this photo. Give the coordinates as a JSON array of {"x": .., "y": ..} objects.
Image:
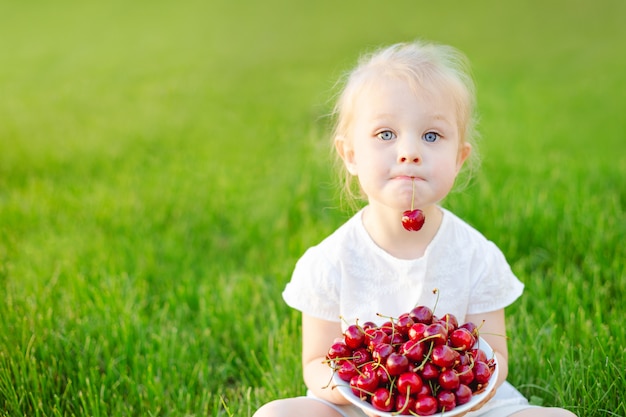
[
  {"x": 439, "y": 116},
  {"x": 378, "y": 116},
  {"x": 384, "y": 117}
]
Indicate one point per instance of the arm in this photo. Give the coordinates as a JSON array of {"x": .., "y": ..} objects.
[
  {"x": 494, "y": 332},
  {"x": 317, "y": 337}
]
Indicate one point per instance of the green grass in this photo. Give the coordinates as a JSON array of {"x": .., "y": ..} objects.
[{"x": 164, "y": 164}]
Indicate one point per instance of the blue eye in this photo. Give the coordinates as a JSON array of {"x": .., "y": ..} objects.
[
  {"x": 431, "y": 137},
  {"x": 386, "y": 135}
]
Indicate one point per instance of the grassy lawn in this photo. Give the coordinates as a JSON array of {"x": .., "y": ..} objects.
[{"x": 164, "y": 164}]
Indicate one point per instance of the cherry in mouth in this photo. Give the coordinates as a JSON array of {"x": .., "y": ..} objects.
[{"x": 413, "y": 220}]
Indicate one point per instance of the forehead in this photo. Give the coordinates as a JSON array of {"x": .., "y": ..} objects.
[{"x": 396, "y": 94}]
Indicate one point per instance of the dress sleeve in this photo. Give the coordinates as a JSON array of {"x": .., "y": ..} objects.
[
  {"x": 494, "y": 285},
  {"x": 315, "y": 286}
]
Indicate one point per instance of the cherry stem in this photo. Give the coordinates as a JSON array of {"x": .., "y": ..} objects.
[
  {"x": 436, "y": 292},
  {"x": 406, "y": 403},
  {"x": 427, "y": 356},
  {"x": 412, "y": 193}
]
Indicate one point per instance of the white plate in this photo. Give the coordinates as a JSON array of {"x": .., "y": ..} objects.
[{"x": 346, "y": 391}]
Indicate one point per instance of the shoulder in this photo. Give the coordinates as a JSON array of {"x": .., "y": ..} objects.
[
  {"x": 321, "y": 265},
  {"x": 334, "y": 247},
  {"x": 316, "y": 281},
  {"x": 467, "y": 242},
  {"x": 460, "y": 233},
  {"x": 493, "y": 284}
]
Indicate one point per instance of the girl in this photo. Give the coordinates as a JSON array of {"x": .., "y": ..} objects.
[{"x": 404, "y": 128}]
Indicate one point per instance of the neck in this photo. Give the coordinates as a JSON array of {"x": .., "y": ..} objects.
[{"x": 386, "y": 230}]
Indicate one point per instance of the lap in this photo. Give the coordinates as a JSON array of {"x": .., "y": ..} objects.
[
  {"x": 507, "y": 402},
  {"x": 301, "y": 407}
]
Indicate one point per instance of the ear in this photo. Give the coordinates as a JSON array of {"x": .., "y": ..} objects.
[
  {"x": 464, "y": 152},
  {"x": 346, "y": 152}
]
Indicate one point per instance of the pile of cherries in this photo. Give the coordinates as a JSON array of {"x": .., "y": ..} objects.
[{"x": 416, "y": 364}]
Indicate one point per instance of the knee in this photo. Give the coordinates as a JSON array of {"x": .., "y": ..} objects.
[
  {"x": 271, "y": 409},
  {"x": 557, "y": 412},
  {"x": 561, "y": 412},
  {"x": 544, "y": 412},
  {"x": 298, "y": 406}
]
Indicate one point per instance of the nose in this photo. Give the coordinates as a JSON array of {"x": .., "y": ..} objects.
[
  {"x": 404, "y": 159},
  {"x": 408, "y": 152}
]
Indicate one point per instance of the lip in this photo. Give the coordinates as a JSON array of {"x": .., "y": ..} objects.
[{"x": 407, "y": 177}]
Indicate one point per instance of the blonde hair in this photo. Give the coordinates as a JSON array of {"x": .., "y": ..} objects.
[{"x": 424, "y": 66}]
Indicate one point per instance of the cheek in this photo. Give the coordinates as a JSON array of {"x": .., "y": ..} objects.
[
  {"x": 445, "y": 172},
  {"x": 367, "y": 159},
  {"x": 369, "y": 168}
]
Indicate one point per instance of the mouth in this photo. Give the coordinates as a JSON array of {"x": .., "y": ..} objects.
[{"x": 407, "y": 177}]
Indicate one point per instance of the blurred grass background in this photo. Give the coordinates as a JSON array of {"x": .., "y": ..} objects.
[{"x": 164, "y": 164}]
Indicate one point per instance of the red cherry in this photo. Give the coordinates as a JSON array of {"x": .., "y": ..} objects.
[
  {"x": 397, "y": 339},
  {"x": 404, "y": 323},
  {"x": 388, "y": 327},
  {"x": 405, "y": 404},
  {"x": 430, "y": 371},
  {"x": 449, "y": 379},
  {"x": 426, "y": 405},
  {"x": 473, "y": 329},
  {"x": 346, "y": 370},
  {"x": 466, "y": 374},
  {"x": 416, "y": 332},
  {"x": 339, "y": 350},
  {"x": 421, "y": 314},
  {"x": 437, "y": 333},
  {"x": 369, "y": 368},
  {"x": 446, "y": 400},
  {"x": 409, "y": 383},
  {"x": 354, "y": 382},
  {"x": 383, "y": 399},
  {"x": 482, "y": 373},
  {"x": 463, "y": 394},
  {"x": 397, "y": 364},
  {"x": 413, "y": 220},
  {"x": 378, "y": 337},
  {"x": 444, "y": 356},
  {"x": 367, "y": 382},
  {"x": 479, "y": 355},
  {"x": 361, "y": 356},
  {"x": 383, "y": 376},
  {"x": 450, "y": 320},
  {"x": 414, "y": 350},
  {"x": 368, "y": 325},
  {"x": 426, "y": 390},
  {"x": 369, "y": 331},
  {"x": 462, "y": 339},
  {"x": 354, "y": 336},
  {"x": 382, "y": 351}
]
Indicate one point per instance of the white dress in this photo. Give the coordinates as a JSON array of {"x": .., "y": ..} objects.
[{"x": 348, "y": 276}]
